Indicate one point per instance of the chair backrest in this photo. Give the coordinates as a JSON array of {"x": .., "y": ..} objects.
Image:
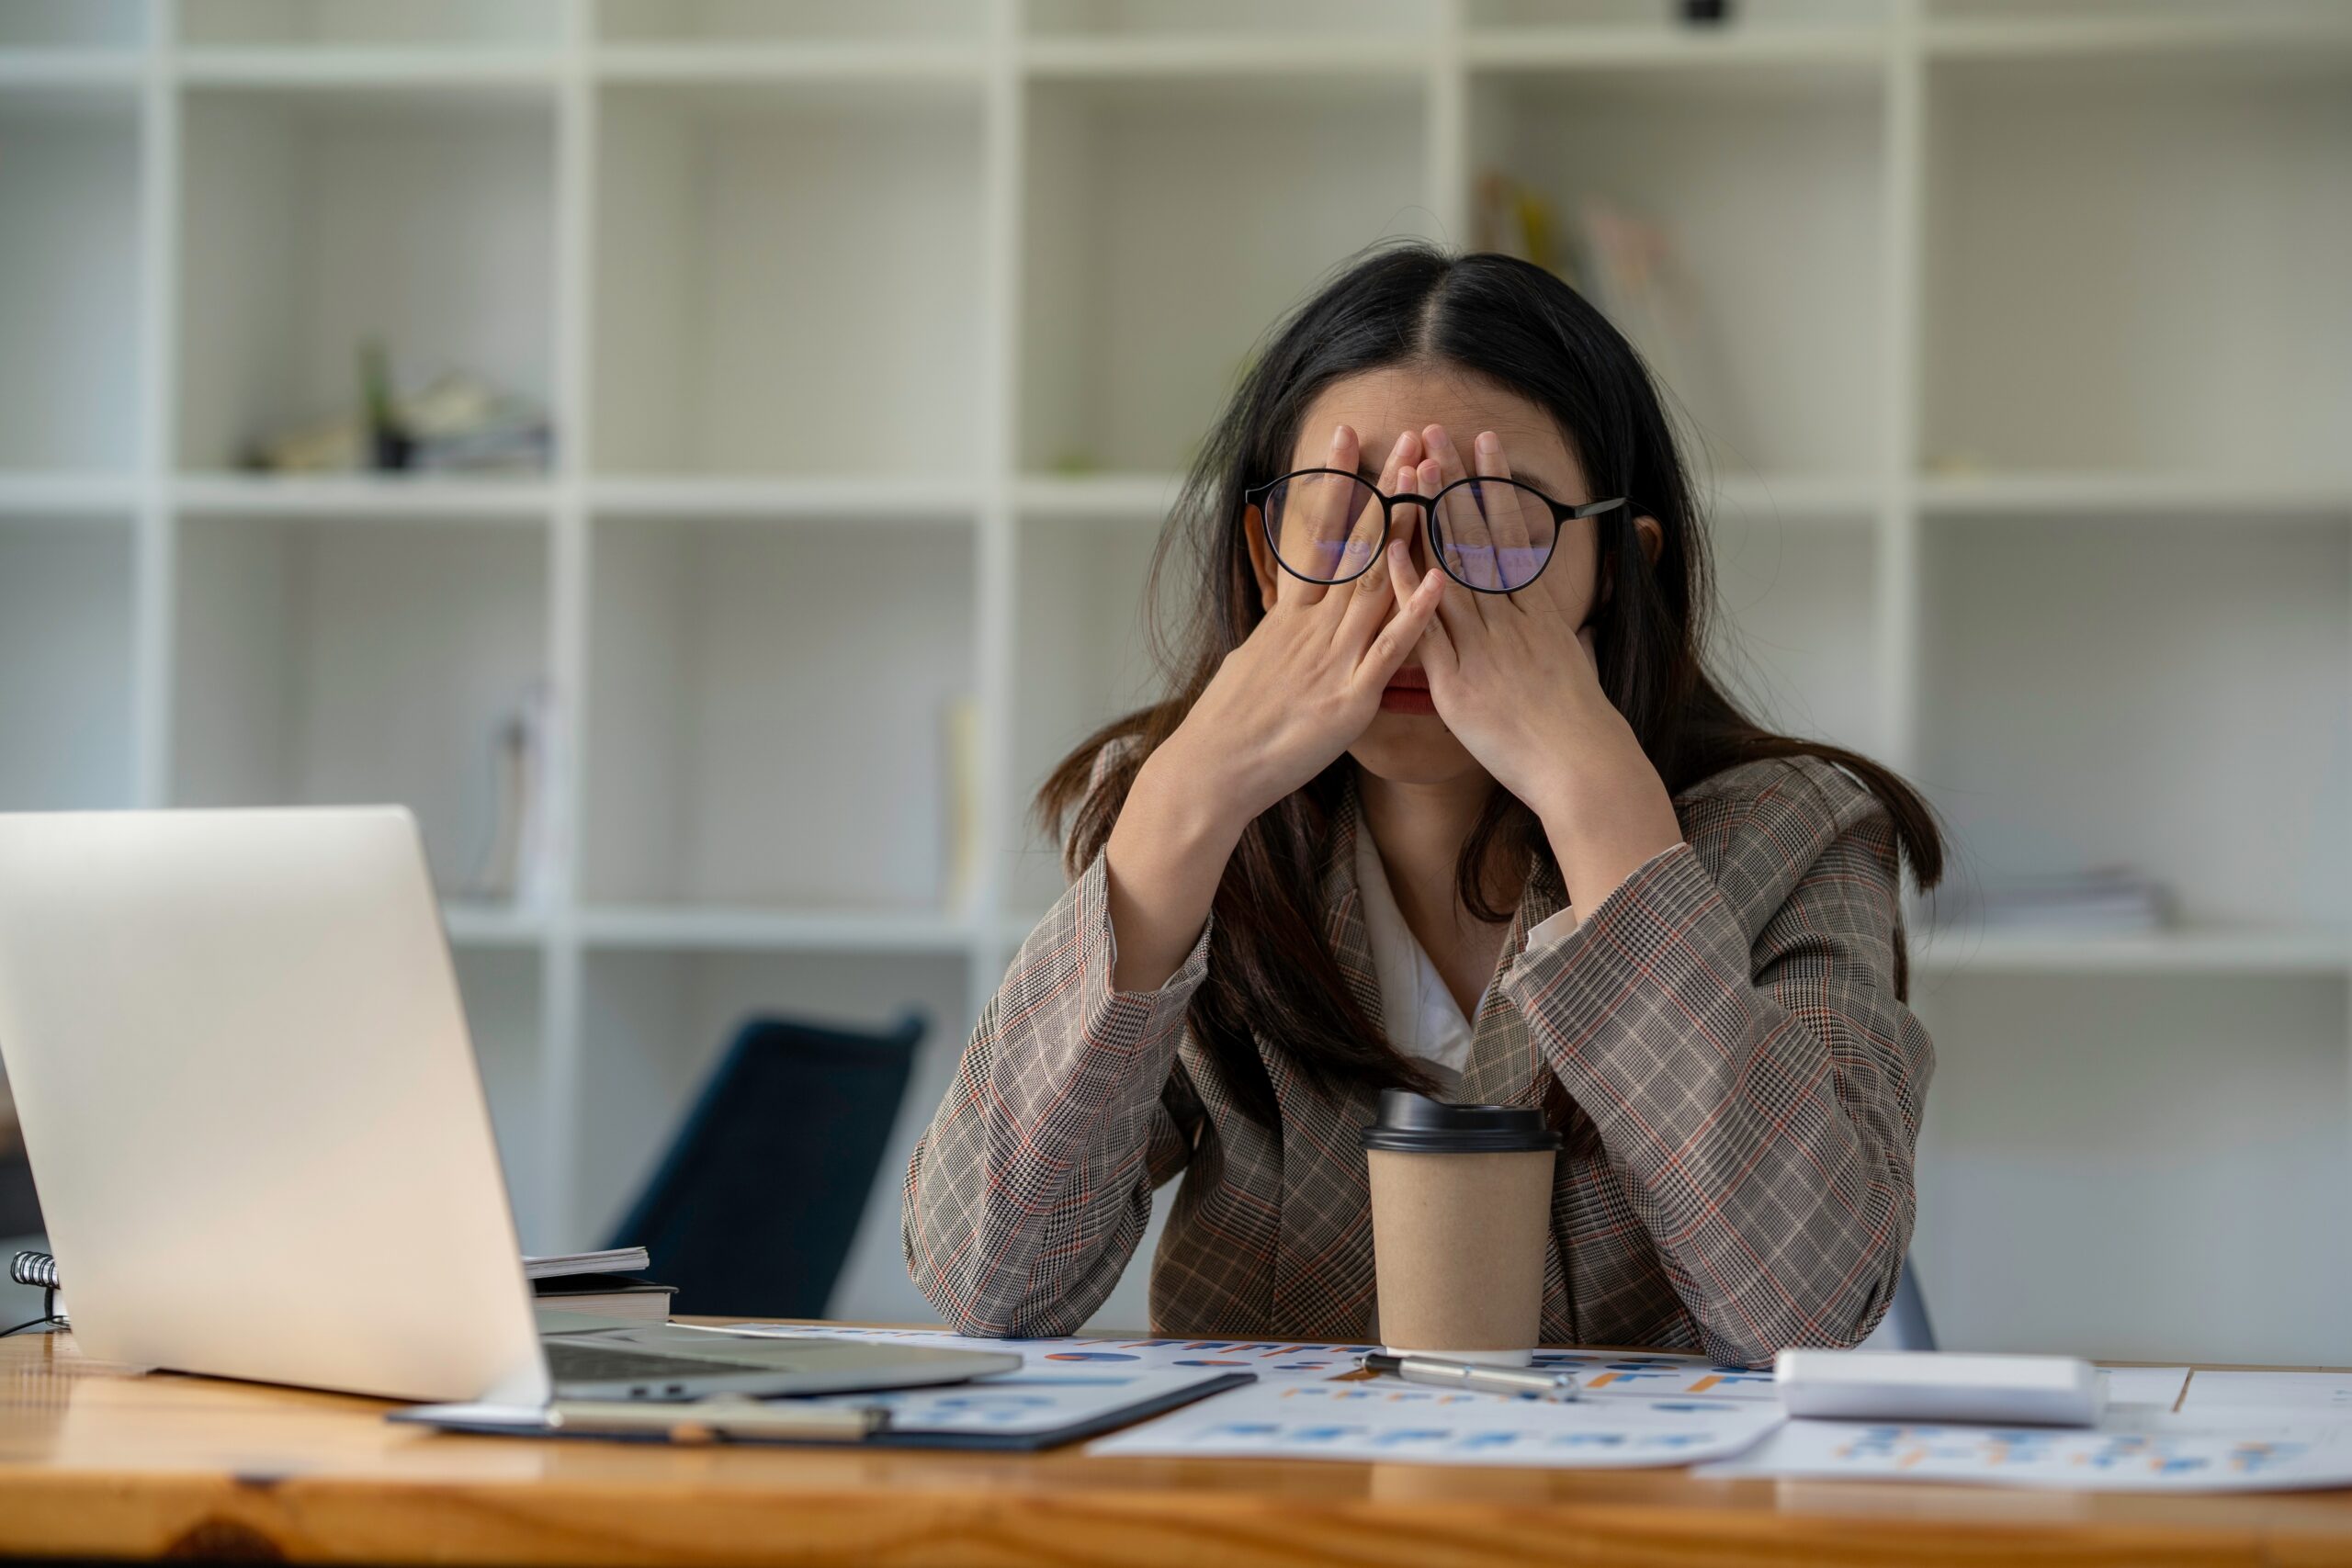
[
  {"x": 1909, "y": 1311},
  {"x": 752, "y": 1209}
]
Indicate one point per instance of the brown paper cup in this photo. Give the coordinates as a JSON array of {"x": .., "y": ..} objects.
[{"x": 1458, "y": 1233}]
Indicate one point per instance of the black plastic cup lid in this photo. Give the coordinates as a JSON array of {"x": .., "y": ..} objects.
[{"x": 1414, "y": 1123}]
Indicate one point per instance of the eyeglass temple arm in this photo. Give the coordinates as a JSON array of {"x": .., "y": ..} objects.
[{"x": 1590, "y": 509}]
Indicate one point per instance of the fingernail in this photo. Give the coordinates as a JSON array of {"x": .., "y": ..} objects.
[
  {"x": 1490, "y": 443},
  {"x": 1435, "y": 436},
  {"x": 1339, "y": 436}
]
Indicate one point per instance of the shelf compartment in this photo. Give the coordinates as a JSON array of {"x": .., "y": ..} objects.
[
  {"x": 69, "y": 358},
  {"x": 2172, "y": 1146},
  {"x": 2150, "y": 692},
  {"x": 1766, "y": 195},
  {"x": 309, "y": 23},
  {"x": 1230, "y": 197},
  {"x": 770, "y": 722},
  {"x": 73, "y": 25},
  {"x": 501, "y": 990},
  {"x": 2190, "y": 322},
  {"x": 315, "y": 221},
  {"x": 336, "y": 662},
  {"x": 65, "y": 671},
  {"x": 720, "y": 213},
  {"x": 654, "y": 1024},
  {"x": 1796, "y": 632},
  {"x": 758, "y": 21},
  {"x": 1081, "y": 658}
]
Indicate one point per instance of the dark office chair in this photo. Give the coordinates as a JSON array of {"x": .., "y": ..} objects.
[{"x": 752, "y": 1211}]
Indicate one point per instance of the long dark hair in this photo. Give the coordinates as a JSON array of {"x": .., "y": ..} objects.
[{"x": 1519, "y": 326}]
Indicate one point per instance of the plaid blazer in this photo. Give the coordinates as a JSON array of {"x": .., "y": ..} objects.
[{"x": 1721, "y": 1040}]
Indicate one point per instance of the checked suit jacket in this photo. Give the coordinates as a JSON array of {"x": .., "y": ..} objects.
[{"x": 1722, "y": 1040}]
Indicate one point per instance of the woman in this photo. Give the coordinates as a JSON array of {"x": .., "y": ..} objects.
[{"x": 1443, "y": 799}]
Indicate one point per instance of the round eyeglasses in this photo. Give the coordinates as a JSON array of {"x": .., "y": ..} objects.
[{"x": 1491, "y": 536}]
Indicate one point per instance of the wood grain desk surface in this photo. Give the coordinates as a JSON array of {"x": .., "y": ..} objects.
[{"x": 95, "y": 1460}]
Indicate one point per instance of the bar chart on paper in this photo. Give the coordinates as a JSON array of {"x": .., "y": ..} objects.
[
  {"x": 2172, "y": 1454},
  {"x": 1383, "y": 1421}
]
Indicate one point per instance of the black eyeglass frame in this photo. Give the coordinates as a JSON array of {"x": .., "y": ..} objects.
[{"x": 1255, "y": 496}]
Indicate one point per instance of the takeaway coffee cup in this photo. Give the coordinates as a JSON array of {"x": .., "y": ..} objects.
[{"x": 1460, "y": 1197}]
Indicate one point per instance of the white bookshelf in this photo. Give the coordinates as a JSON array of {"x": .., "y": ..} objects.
[{"x": 877, "y": 333}]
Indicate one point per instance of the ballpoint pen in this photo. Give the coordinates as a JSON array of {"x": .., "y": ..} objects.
[
  {"x": 719, "y": 1417},
  {"x": 1530, "y": 1382}
]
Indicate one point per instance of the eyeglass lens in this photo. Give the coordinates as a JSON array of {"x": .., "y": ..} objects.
[
  {"x": 1491, "y": 533},
  {"x": 1325, "y": 528}
]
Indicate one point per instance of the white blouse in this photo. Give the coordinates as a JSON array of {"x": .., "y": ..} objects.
[{"x": 1421, "y": 1016}]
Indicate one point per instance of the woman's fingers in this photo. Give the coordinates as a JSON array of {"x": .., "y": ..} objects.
[
  {"x": 1447, "y": 456},
  {"x": 1437, "y": 648},
  {"x": 1415, "y": 615},
  {"x": 1519, "y": 540},
  {"x": 1369, "y": 597},
  {"x": 1348, "y": 606},
  {"x": 1310, "y": 528},
  {"x": 1463, "y": 612}
]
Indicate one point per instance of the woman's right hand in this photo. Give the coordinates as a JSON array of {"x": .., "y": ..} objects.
[
  {"x": 1280, "y": 708},
  {"x": 1308, "y": 679}
]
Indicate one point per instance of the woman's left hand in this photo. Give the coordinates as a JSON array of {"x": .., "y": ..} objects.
[{"x": 1516, "y": 680}]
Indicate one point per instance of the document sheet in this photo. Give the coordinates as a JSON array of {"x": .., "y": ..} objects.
[{"x": 1385, "y": 1420}]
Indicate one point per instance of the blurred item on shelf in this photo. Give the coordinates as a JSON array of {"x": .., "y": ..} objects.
[
  {"x": 513, "y": 865},
  {"x": 1516, "y": 220},
  {"x": 2103, "y": 899},
  {"x": 1624, "y": 263},
  {"x": 458, "y": 423}
]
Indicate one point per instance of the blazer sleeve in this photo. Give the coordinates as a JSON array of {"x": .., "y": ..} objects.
[
  {"x": 1028, "y": 1195},
  {"x": 1761, "y": 1099}
]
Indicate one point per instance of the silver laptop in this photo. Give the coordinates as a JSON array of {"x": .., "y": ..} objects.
[{"x": 260, "y": 1137}]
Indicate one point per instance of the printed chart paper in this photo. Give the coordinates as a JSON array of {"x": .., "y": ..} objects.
[
  {"x": 1388, "y": 1421},
  {"x": 1640, "y": 1374},
  {"x": 2170, "y": 1455},
  {"x": 1649, "y": 1375},
  {"x": 1270, "y": 1360}
]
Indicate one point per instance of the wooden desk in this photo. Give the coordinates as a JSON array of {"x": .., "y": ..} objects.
[{"x": 97, "y": 1462}]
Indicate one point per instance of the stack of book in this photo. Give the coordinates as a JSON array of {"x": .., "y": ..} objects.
[
  {"x": 2101, "y": 900},
  {"x": 600, "y": 1283}
]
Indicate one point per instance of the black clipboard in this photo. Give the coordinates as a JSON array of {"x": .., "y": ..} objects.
[{"x": 526, "y": 1423}]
